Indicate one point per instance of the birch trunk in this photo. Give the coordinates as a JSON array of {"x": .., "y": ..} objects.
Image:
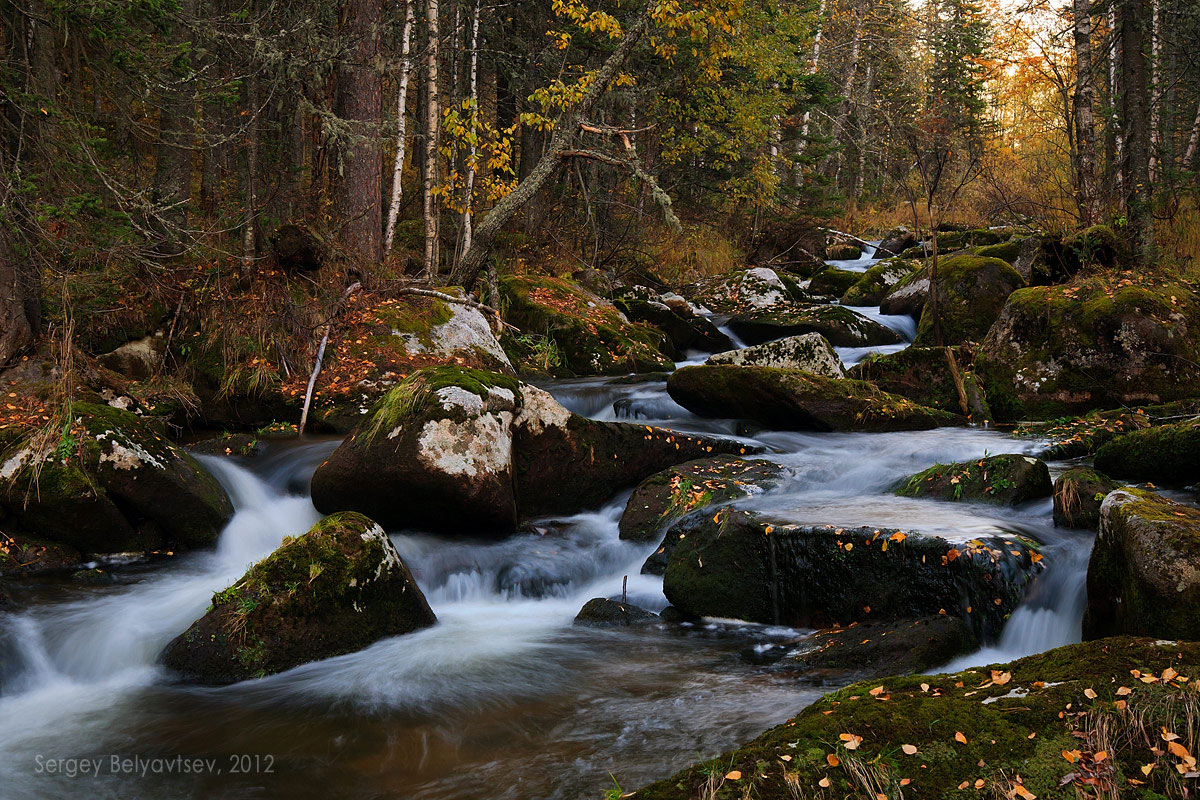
[
  {"x": 472, "y": 150},
  {"x": 432, "y": 119},
  {"x": 389, "y": 236},
  {"x": 1087, "y": 186}
]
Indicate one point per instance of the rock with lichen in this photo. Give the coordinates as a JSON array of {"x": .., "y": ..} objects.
[
  {"x": 971, "y": 291},
  {"x": 810, "y": 352},
  {"x": 841, "y": 326},
  {"x": 333, "y": 590},
  {"x": 873, "y": 285}
]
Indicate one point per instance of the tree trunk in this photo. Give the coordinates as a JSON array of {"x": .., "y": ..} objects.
[
  {"x": 1155, "y": 94},
  {"x": 1193, "y": 141},
  {"x": 173, "y": 159},
  {"x": 250, "y": 176},
  {"x": 20, "y": 292},
  {"x": 467, "y": 271},
  {"x": 843, "y": 112},
  {"x": 1117, "y": 166},
  {"x": 1133, "y": 18},
  {"x": 1087, "y": 185},
  {"x": 472, "y": 150},
  {"x": 401, "y": 126},
  {"x": 432, "y": 120}
]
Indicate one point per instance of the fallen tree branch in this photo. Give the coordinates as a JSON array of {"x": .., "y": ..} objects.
[
  {"x": 312, "y": 379},
  {"x": 629, "y": 162}
]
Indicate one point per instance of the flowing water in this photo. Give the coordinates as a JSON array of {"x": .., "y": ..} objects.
[{"x": 503, "y": 698}]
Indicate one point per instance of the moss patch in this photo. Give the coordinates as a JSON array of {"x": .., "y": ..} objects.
[{"x": 1005, "y": 479}]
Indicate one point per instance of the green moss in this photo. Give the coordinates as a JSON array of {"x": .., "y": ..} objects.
[
  {"x": 971, "y": 291},
  {"x": 1005, "y": 479},
  {"x": 1167, "y": 454},
  {"x": 833, "y": 281},
  {"x": 411, "y": 396},
  {"x": 1005, "y": 251},
  {"x": 877, "y": 281}
]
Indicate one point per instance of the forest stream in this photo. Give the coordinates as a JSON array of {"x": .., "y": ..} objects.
[{"x": 503, "y": 698}]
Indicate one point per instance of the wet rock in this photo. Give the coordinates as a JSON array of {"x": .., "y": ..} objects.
[
  {"x": 874, "y": 284},
  {"x": 993, "y": 723},
  {"x": 686, "y": 329},
  {"x": 745, "y": 566},
  {"x": 435, "y": 453},
  {"x": 565, "y": 463},
  {"x": 601, "y": 612},
  {"x": 137, "y": 360},
  {"x": 841, "y": 326},
  {"x": 908, "y": 295},
  {"x": 1098, "y": 343},
  {"x": 590, "y": 335},
  {"x": 94, "y": 577},
  {"x": 743, "y": 290},
  {"x": 25, "y": 555},
  {"x": 1142, "y": 577},
  {"x": 110, "y": 484},
  {"x": 833, "y": 282},
  {"x": 336, "y": 589},
  {"x": 971, "y": 292},
  {"x": 950, "y": 241},
  {"x": 234, "y": 444},
  {"x": 796, "y": 400},
  {"x": 1078, "y": 494},
  {"x": 810, "y": 352},
  {"x": 1167, "y": 454},
  {"x": 1008, "y": 479},
  {"x": 923, "y": 375},
  {"x": 843, "y": 251},
  {"x": 895, "y": 241},
  {"x": 874, "y": 649},
  {"x": 665, "y": 498}
]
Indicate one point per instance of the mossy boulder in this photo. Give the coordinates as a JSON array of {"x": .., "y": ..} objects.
[
  {"x": 1098, "y": 245},
  {"x": 1143, "y": 577},
  {"x": 742, "y": 565},
  {"x": 971, "y": 291},
  {"x": 601, "y": 612},
  {"x": 565, "y": 463},
  {"x": 1097, "y": 343},
  {"x": 1008, "y": 479},
  {"x": 895, "y": 242},
  {"x": 591, "y": 335},
  {"x": 872, "y": 649},
  {"x": 137, "y": 360},
  {"x": 908, "y": 295},
  {"x": 833, "y": 282},
  {"x": 333, "y": 590},
  {"x": 1078, "y": 494},
  {"x": 810, "y": 352},
  {"x": 435, "y": 453},
  {"x": 1030, "y": 728},
  {"x": 686, "y": 329},
  {"x": 874, "y": 284},
  {"x": 923, "y": 375},
  {"x": 109, "y": 483},
  {"x": 1167, "y": 454},
  {"x": 1005, "y": 251},
  {"x": 949, "y": 241},
  {"x": 233, "y": 444},
  {"x": 841, "y": 326},
  {"x": 843, "y": 251},
  {"x": 796, "y": 400},
  {"x": 743, "y": 290},
  {"x": 1083, "y": 436},
  {"x": 695, "y": 487}
]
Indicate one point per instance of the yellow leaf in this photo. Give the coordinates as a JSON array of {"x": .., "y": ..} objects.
[
  {"x": 960, "y": 737},
  {"x": 1147, "y": 769},
  {"x": 823, "y": 783},
  {"x": 832, "y": 760},
  {"x": 909, "y": 749},
  {"x": 1090, "y": 694},
  {"x": 733, "y": 776}
]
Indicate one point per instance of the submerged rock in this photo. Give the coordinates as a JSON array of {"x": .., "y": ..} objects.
[
  {"x": 1143, "y": 577},
  {"x": 874, "y": 284},
  {"x": 841, "y": 326},
  {"x": 872, "y": 649},
  {"x": 1167, "y": 454},
  {"x": 741, "y": 565},
  {"x": 923, "y": 375},
  {"x": 110, "y": 484},
  {"x": 810, "y": 352},
  {"x": 601, "y": 612},
  {"x": 971, "y": 291},
  {"x": 1008, "y": 479},
  {"x": 1078, "y": 494},
  {"x": 1004, "y": 729},
  {"x": 797, "y": 400},
  {"x": 1058, "y": 350},
  {"x": 590, "y": 335},
  {"x": 436, "y": 453},
  {"x": 336, "y": 589}
]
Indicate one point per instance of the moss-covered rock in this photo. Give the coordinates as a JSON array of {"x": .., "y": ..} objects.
[
  {"x": 841, "y": 326},
  {"x": 1005, "y": 251},
  {"x": 1006, "y": 479},
  {"x": 950, "y": 241},
  {"x": 872, "y": 649},
  {"x": 908, "y": 295},
  {"x": 1143, "y": 577},
  {"x": 564, "y": 463},
  {"x": 435, "y": 453},
  {"x": 1032, "y": 728},
  {"x": 895, "y": 242},
  {"x": 833, "y": 282},
  {"x": 27, "y": 555},
  {"x": 874, "y": 284},
  {"x": 971, "y": 291},
  {"x": 843, "y": 251},
  {"x": 1078, "y": 494},
  {"x": 1083, "y": 436},
  {"x": 335, "y": 589},
  {"x": 601, "y": 612},
  {"x": 233, "y": 444},
  {"x": 1098, "y": 343},
  {"x": 810, "y": 352},
  {"x": 686, "y": 329},
  {"x": 743, "y": 290},
  {"x": 1097, "y": 245},
  {"x": 109, "y": 483},
  {"x": 797, "y": 400},
  {"x": 591, "y": 335},
  {"x": 741, "y": 565},
  {"x": 923, "y": 375},
  {"x": 1167, "y": 454}
]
